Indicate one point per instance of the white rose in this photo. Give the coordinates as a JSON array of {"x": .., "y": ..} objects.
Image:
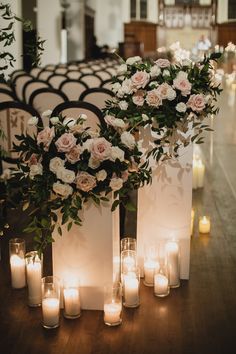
[
  {"x": 171, "y": 94},
  {"x": 66, "y": 176},
  {"x": 123, "y": 105},
  {"x": 35, "y": 170},
  {"x": 116, "y": 86},
  {"x": 133, "y": 60},
  {"x": 127, "y": 87},
  {"x": 153, "y": 84},
  {"x": 69, "y": 122},
  {"x": 33, "y": 121},
  {"x": 155, "y": 71},
  {"x": 116, "y": 183},
  {"x": 166, "y": 72},
  {"x": 145, "y": 117},
  {"x": 101, "y": 175},
  {"x": 93, "y": 163},
  {"x": 55, "y": 164},
  {"x": 181, "y": 107},
  {"x": 93, "y": 133},
  {"x": 128, "y": 140},
  {"x": 64, "y": 190},
  {"x": 120, "y": 93},
  {"x": 186, "y": 62},
  {"x": 117, "y": 153},
  {"x": 122, "y": 69},
  {"x": 54, "y": 120},
  {"x": 47, "y": 113},
  {"x": 87, "y": 144}
]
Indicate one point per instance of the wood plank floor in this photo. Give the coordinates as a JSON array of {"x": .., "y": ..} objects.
[{"x": 197, "y": 318}]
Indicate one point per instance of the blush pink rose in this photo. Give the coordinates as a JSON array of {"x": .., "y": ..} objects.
[
  {"x": 196, "y": 102},
  {"x": 74, "y": 154},
  {"x": 45, "y": 137},
  {"x": 33, "y": 160},
  {"x": 181, "y": 83},
  {"x": 100, "y": 149},
  {"x": 162, "y": 63},
  {"x": 138, "y": 98},
  {"x": 163, "y": 90},
  {"x": 140, "y": 79},
  {"x": 85, "y": 181},
  {"x": 153, "y": 98},
  {"x": 66, "y": 142}
]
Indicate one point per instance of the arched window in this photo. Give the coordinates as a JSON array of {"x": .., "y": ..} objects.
[{"x": 138, "y": 9}]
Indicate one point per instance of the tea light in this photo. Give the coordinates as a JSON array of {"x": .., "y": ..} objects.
[
  {"x": 17, "y": 272},
  {"x": 204, "y": 225},
  {"x": 51, "y": 309},
  {"x": 161, "y": 285},
  {"x": 71, "y": 303},
  {"x": 172, "y": 249},
  {"x": 112, "y": 313},
  {"x": 149, "y": 270},
  {"x": 131, "y": 290}
]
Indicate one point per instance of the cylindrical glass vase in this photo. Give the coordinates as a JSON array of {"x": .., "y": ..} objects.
[
  {"x": 131, "y": 285},
  {"x": 17, "y": 262},
  {"x": 128, "y": 260},
  {"x": 173, "y": 262},
  {"x": 71, "y": 298},
  {"x": 34, "y": 267},
  {"x": 50, "y": 301},
  {"x": 112, "y": 304},
  {"x": 161, "y": 281},
  {"x": 150, "y": 264},
  {"x": 128, "y": 243}
]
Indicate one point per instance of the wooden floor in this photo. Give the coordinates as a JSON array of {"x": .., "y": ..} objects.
[{"x": 197, "y": 318}]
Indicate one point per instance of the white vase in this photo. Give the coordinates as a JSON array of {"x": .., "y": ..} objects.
[
  {"x": 164, "y": 207},
  {"x": 89, "y": 252}
]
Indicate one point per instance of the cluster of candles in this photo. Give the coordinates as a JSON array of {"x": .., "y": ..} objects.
[
  {"x": 198, "y": 172},
  {"x": 27, "y": 268},
  {"x": 204, "y": 225},
  {"x": 161, "y": 270}
]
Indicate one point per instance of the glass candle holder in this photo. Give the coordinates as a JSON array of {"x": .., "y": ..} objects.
[
  {"x": 128, "y": 243},
  {"x": 204, "y": 225},
  {"x": 50, "y": 302},
  {"x": 34, "y": 267},
  {"x": 131, "y": 285},
  {"x": 71, "y": 297},
  {"x": 128, "y": 261},
  {"x": 161, "y": 281},
  {"x": 17, "y": 262},
  {"x": 150, "y": 264},
  {"x": 173, "y": 262},
  {"x": 113, "y": 304}
]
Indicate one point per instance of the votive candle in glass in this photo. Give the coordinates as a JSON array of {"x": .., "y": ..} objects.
[
  {"x": 128, "y": 260},
  {"x": 128, "y": 243},
  {"x": 50, "y": 301},
  {"x": 150, "y": 264},
  {"x": 173, "y": 262},
  {"x": 204, "y": 225},
  {"x": 17, "y": 262},
  {"x": 131, "y": 283},
  {"x": 113, "y": 304},
  {"x": 71, "y": 298},
  {"x": 34, "y": 276},
  {"x": 161, "y": 282}
]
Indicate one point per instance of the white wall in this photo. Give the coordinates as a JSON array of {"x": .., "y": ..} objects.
[
  {"x": 16, "y": 47},
  {"x": 48, "y": 26}
]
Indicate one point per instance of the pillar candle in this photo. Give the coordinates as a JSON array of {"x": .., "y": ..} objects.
[
  {"x": 112, "y": 313},
  {"x": 131, "y": 291},
  {"x": 161, "y": 285},
  {"x": 34, "y": 274},
  {"x": 128, "y": 263},
  {"x": 204, "y": 225},
  {"x": 17, "y": 272},
  {"x": 149, "y": 270},
  {"x": 51, "y": 310},
  {"x": 172, "y": 249},
  {"x": 71, "y": 302}
]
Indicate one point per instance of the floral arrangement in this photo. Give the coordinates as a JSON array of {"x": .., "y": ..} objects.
[
  {"x": 174, "y": 99},
  {"x": 67, "y": 164}
]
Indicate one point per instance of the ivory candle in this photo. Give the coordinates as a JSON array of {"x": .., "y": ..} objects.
[
  {"x": 172, "y": 249},
  {"x": 51, "y": 310},
  {"x": 204, "y": 225},
  {"x": 201, "y": 173},
  {"x": 34, "y": 275},
  {"x": 161, "y": 285},
  {"x": 71, "y": 303},
  {"x": 149, "y": 270},
  {"x": 128, "y": 263},
  {"x": 131, "y": 291},
  {"x": 17, "y": 272},
  {"x": 112, "y": 313}
]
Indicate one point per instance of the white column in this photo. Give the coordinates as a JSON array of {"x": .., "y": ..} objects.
[
  {"x": 48, "y": 26},
  {"x": 16, "y": 47},
  {"x": 222, "y": 11}
]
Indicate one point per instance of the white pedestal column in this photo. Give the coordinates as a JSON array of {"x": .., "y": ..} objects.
[
  {"x": 164, "y": 208},
  {"x": 89, "y": 252}
]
